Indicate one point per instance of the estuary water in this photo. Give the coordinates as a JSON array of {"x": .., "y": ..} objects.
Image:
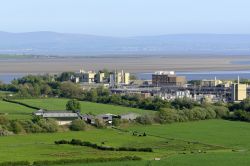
[{"x": 8, "y": 77}]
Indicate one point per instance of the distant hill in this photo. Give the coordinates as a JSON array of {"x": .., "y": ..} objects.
[{"x": 51, "y": 43}]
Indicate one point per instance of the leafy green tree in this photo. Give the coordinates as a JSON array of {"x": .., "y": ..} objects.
[
  {"x": 221, "y": 111},
  {"x": 65, "y": 76},
  {"x": 91, "y": 95},
  {"x": 48, "y": 125},
  {"x": 116, "y": 121},
  {"x": 3, "y": 120},
  {"x": 99, "y": 124},
  {"x": 70, "y": 90},
  {"x": 77, "y": 125},
  {"x": 145, "y": 119},
  {"x": 16, "y": 127},
  {"x": 73, "y": 105},
  {"x": 167, "y": 116}
]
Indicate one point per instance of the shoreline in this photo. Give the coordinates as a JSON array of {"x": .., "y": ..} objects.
[{"x": 130, "y": 64}]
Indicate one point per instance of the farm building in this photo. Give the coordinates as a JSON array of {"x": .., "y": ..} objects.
[
  {"x": 107, "y": 118},
  {"x": 62, "y": 117}
]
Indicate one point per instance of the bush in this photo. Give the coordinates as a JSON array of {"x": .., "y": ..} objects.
[
  {"x": 99, "y": 124},
  {"x": 4, "y": 131},
  {"x": 61, "y": 142},
  {"x": 182, "y": 103},
  {"x": 221, "y": 111},
  {"x": 116, "y": 122},
  {"x": 73, "y": 105},
  {"x": 145, "y": 119},
  {"x": 31, "y": 127},
  {"x": 77, "y": 125},
  {"x": 3, "y": 120},
  {"x": 242, "y": 115},
  {"x": 167, "y": 116},
  {"x": 78, "y": 142},
  {"x": 198, "y": 113},
  {"x": 75, "y": 142},
  {"x": 48, "y": 125},
  {"x": 15, "y": 163},
  {"x": 210, "y": 113},
  {"x": 85, "y": 160},
  {"x": 16, "y": 127}
]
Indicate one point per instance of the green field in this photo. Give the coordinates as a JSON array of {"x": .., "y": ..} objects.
[
  {"x": 221, "y": 142},
  {"x": 15, "y": 111},
  {"x": 86, "y": 107},
  {"x": 207, "y": 142}
]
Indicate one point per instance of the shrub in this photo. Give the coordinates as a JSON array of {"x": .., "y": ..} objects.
[
  {"x": 210, "y": 113},
  {"x": 167, "y": 116},
  {"x": 242, "y": 115},
  {"x": 198, "y": 113},
  {"x": 15, "y": 163},
  {"x": 85, "y": 160},
  {"x": 221, "y": 111},
  {"x": 78, "y": 142},
  {"x": 31, "y": 127},
  {"x": 99, "y": 123},
  {"x": 77, "y": 125},
  {"x": 16, "y": 127},
  {"x": 3, "y": 120},
  {"x": 73, "y": 105},
  {"x": 145, "y": 119},
  {"x": 75, "y": 142},
  {"x": 48, "y": 125},
  {"x": 4, "y": 131},
  {"x": 61, "y": 142},
  {"x": 116, "y": 122}
]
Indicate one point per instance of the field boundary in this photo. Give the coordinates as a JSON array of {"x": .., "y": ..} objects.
[{"x": 20, "y": 103}]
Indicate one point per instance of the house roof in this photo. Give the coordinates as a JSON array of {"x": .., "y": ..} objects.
[{"x": 58, "y": 114}]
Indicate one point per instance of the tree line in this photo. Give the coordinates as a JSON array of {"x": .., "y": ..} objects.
[{"x": 185, "y": 109}]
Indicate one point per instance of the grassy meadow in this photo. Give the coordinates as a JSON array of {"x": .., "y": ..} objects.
[
  {"x": 211, "y": 142},
  {"x": 86, "y": 107},
  {"x": 207, "y": 142},
  {"x": 15, "y": 111}
]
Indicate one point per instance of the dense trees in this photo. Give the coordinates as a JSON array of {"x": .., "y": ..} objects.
[
  {"x": 35, "y": 125},
  {"x": 65, "y": 76},
  {"x": 182, "y": 109},
  {"x": 73, "y": 105}
]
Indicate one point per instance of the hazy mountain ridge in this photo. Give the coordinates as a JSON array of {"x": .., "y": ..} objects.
[{"x": 51, "y": 43}]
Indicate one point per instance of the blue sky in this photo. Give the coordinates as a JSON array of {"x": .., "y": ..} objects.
[{"x": 126, "y": 17}]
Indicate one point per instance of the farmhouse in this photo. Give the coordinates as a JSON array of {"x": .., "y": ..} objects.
[
  {"x": 90, "y": 119},
  {"x": 107, "y": 118},
  {"x": 62, "y": 117}
]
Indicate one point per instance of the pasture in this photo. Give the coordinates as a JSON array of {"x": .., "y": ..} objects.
[
  {"x": 211, "y": 142},
  {"x": 86, "y": 107},
  {"x": 15, "y": 111}
]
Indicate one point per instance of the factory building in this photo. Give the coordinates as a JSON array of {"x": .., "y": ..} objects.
[
  {"x": 239, "y": 91},
  {"x": 88, "y": 77},
  {"x": 167, "y": 78},
  {"x": 211, "y": 83},
  {"x": 100, "y": 77},
  {"x": 119, "y": 78}
]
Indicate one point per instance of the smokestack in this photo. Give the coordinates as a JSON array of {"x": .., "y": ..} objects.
[{"x": 238, "y": 79}]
